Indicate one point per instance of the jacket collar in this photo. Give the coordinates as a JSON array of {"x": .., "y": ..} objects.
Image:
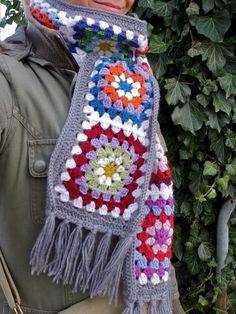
[{"x": 40, "y": 44}]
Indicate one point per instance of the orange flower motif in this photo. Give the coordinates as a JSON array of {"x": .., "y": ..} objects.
[{"x": 125, "y": 86}]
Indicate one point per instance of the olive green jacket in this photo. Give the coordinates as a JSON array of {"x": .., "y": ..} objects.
[{"x": 37, "y": 75}]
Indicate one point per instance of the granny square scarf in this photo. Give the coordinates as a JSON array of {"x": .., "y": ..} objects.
[{"x": 109, "y": 212}]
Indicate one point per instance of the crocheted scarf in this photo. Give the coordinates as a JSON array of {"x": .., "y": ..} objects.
[{"x": 109, "y": 211}]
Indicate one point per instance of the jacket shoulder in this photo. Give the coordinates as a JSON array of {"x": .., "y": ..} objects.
[{"x": 6, "y": 95}]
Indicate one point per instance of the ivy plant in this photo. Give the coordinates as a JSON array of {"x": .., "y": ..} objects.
[{"x": 192, "y": 45}]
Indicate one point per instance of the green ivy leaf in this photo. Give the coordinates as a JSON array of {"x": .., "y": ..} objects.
[
  {"x": 189, "y": 246},
  {"x": 231, "y": 168},
  {"x": 232, "y": 190},
  {"x": 159, "y": 63},
  {"x": 193, "y": 71},
  {"x": 228, "y": 84},
  {"x": 209, "y": 219},
  {"x": 212, "y": 194},
  {"x": 234, "y": 115},
  {"x": 176, "y": 176},
  {"x": 185, "y": 31},
  {"x": 192, "y": 142},
  {"x": 230, "y": 65},
  {"x": 193, "y": 262},
  {"x": 209, "y": 86},
  {"x": 210, "y": 168},
  {"x": 193, "y": 9},
  {"x": 200, "y": 156},
  {"x": 184, "y": 154},
  {"x": 213, "y": 53},
  {"x": 195, "y": 50},
  {"x": 164, "y": 8},
  {"x": 214, "y": 27},
  {"x": 203, "y": 301},
  {"x": 205, "y": 251},
  {"x": 222, "y": 282},
  {"x": 200, "y": 197},
  {"x": 208, "y": 5},
  {"x": 203, "y": 100},
  {"x": 177, "y": 91},
  {"x": 178, "y": 247},
  {"x": 231, "y": 140},
  {"x": 223, "y": 185},
  {"x": 221, "y": 103},
  {"x": 157, "y": 45},
  {"x": 149, "y": 4},
  {"x": 217, "y": 120},
  {"x": 190, "y": 116},
  {"x": 197, "y": 208},
  {"x": 218, "y": 146},
  {"x": 185, "y": 208},
  {"x": 196, "y": 178}
]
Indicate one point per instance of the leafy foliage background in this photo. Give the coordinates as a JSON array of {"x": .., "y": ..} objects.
[{"x": 192, "y": 52}]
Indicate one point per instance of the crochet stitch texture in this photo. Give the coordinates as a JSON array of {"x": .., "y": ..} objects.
[{"x": 108, "y": 173}]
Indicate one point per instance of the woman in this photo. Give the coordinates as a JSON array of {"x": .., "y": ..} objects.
[{"x": 39, "y": 66}]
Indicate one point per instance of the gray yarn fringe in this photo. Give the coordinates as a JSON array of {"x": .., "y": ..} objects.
[
  {"x": 41, "y": 251},
  {"x": 99, "y": 262},
  {"x": 129, "y": 309},
  {"x": 110, "y": 277},
  {"x": 83, "y": 269},
  {"x": 67, "y": 252},
  {"x": 163, "y": 306},
  {"x": 154, "y": 307},
  {"x": 72, "y": 255},
  {"x": 138, "y": 308}
]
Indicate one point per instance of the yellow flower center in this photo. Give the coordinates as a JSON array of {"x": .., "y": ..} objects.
[
  {"x": 105, "y": 46},
  {"x": 111, "y": 169}
]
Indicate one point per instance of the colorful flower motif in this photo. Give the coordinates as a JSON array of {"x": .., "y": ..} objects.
[
  {"x": 105, "y": 47},
  {"x": 154, "y": 240},
  {"x": 121, "y": 91},
  {"x": 105, "y": 174},
  {"x": 109, "y": 169},
  {"x": 125, "y": 86},
  {"x": 107, "y": 166}
]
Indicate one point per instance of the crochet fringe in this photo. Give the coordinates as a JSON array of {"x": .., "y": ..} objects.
[
  {"x": 163, "y": 306},
  {"x": 154, "y": 307},
  {"x": 67, "y": 252}
]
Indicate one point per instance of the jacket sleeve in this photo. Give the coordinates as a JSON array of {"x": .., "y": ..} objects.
[
  {"x": 161, "y": 138},
  {"x": 6, "y": 105}
]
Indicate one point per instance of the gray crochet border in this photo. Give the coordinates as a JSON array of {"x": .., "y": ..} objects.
[
  {"x": 126, "y": 22},
  {"x": 62, "y": 151}
]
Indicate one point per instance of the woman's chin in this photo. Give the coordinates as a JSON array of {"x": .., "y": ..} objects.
[{"x": 107, "y": 7}]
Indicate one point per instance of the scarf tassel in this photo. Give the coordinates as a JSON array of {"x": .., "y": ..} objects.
[
  {"x": 41, "y": 251},
  {"x": 129, "y": 309},
  {"x": 153, "y": 307},
  {"x": 78, "y": 257},
  {"x": 99, "y": 262},
  {"x": 159, "y": 307},
  {"x": 110, "y": 276},
  {"x": 163, "y": 306},
  {"x": 139, "y": 308}
]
